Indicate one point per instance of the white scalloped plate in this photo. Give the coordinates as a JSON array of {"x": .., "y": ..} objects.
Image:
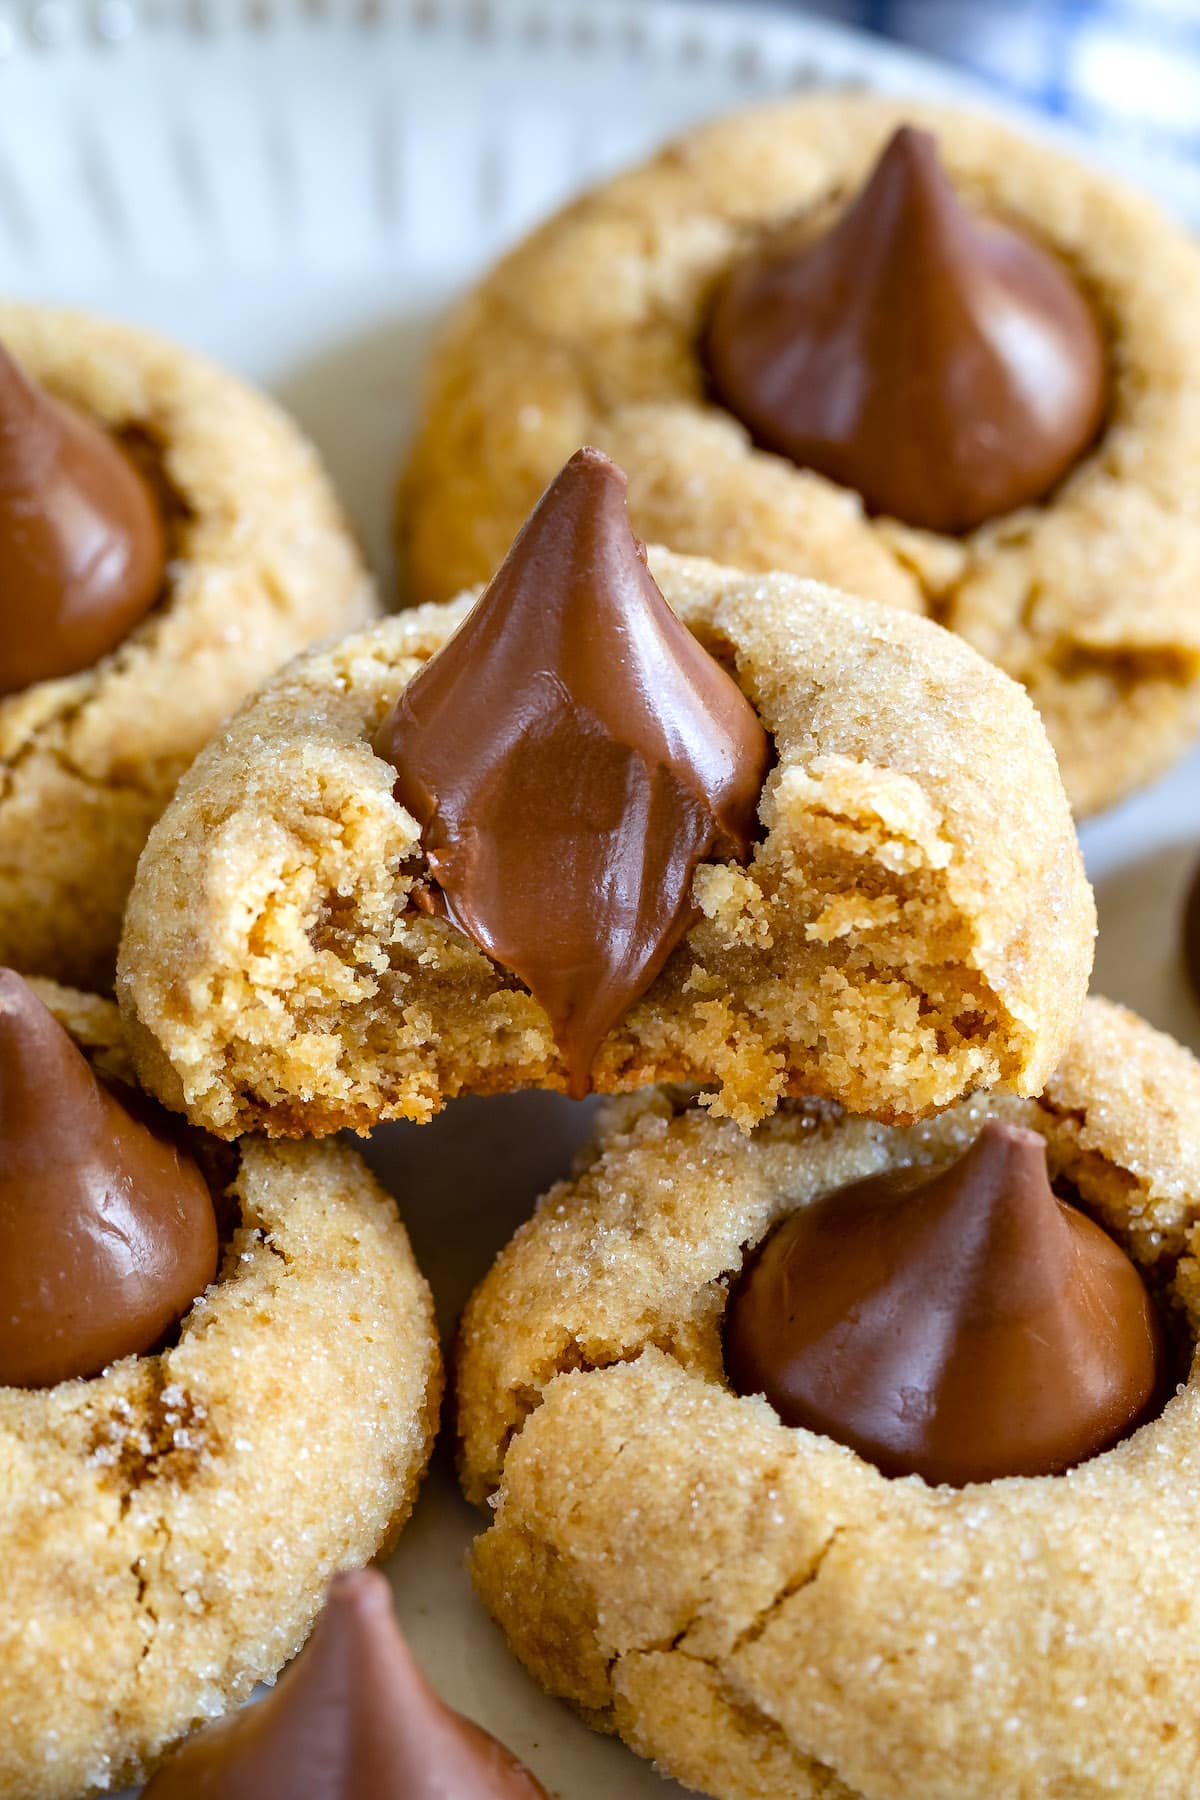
[{"x": 297, "y": 186}]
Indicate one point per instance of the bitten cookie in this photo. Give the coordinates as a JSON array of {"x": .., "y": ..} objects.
[
  {"x": 913, "y": 922},
  {"x": 259, "y": 564},
  {"x": 757, "y": 1607},
  {"x": 168, "y": 1526},
  {"x": 595, "y": 330}
]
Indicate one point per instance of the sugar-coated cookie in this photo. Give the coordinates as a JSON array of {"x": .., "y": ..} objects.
[
  {"x": 169, "y": 1525},
  {"x": 914, "y": 921},
  {"x": 755, "y": 1606}
]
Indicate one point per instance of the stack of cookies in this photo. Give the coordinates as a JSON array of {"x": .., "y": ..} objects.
[{"x": 835, "y": 1425}]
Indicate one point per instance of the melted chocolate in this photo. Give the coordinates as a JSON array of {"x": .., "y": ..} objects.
[
  {"x": 962, "y": 1325},
  {"x": 944, "y": 366},
  {"x": 82, "y": 543},
  {"x": 107, "y": 1230},
  {"x": 352, "y": 1719},
  {"x": 571, "y": 755}
]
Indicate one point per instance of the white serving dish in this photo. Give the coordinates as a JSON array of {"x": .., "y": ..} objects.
[{"x": 297, "y": 186}]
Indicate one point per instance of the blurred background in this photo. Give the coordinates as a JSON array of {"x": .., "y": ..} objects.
[{"x": 1126, "y": 70}]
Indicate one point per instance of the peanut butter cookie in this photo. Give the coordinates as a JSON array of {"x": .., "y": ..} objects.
[
  {"x": 913, "y": 922},
  {"x": 621, "y": 322},
  {"x": 165, "y": 611},
  {"x": 755, "y": 1605},
  {"x": 169, "y": 1524}
]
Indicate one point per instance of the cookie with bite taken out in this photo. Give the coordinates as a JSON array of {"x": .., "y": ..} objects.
[{"x": 617, "y": 820}]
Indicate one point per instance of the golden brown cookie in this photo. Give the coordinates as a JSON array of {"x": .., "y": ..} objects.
[
  {"x": 168, "y": 1527},
  {"x": 757, "y": 1608},
  {"x": 589, "y": 332},
  {"x": 914, "y": 923},
  {"x": 261, "y": 565}
]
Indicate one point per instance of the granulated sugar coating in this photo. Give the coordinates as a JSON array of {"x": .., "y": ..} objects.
[
  {"x": 169, "y": 1527},
  {"x": 914, "y": 924},
  {"x": 758, "y": 1609}
]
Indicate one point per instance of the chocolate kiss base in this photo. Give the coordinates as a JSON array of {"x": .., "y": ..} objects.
[
  {"x": 962, "y": 1326},
  {"x": 107, "y": 1228},
  {"x": 571, "y": 755},
  {"x": 945, "y": 367},
  {"x": 352, "y": 1719},
  {"x": 83, "y": 546}
]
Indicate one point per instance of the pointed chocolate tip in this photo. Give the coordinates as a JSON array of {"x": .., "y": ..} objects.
[
  {"x": 1006, "y": 1160},
  {"x": 998, "y": 1198},
  {"x": 358, "y": 1624},
  {"x": 913, "y": 143},
  {"x": 587, "y": 499},
  {"x": 361, "y": 1596},
  {"x": 596, "y": 462},
  {"x": 359, "y": 1588},
  {"x": 910, "y": 170},
  {"x": 913, "y": 149}
]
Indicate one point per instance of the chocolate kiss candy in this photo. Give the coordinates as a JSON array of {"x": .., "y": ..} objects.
[
  {"x": 945, "y": 367},
  {"x": 962, "y": 1326},
  {"x": 82, "y": 543},
  {"x": 1191, "y": 932},
  {"x": 352, "y": 1719},
  {"x": 570, "y": 756},
  {"x": 107, "y": 1230}
]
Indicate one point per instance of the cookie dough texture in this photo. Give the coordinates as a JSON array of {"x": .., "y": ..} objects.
[
  {"x": 261, "y": 565},
  {"x": 589, "y": 332},
  {"x": 167, "y": 1529},
  {"x": 914, "y": 924},
  {"x": 755, "y": 1607}
]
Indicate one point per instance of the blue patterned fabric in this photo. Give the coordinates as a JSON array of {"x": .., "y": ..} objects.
[{"x": 1126, "y": 70}]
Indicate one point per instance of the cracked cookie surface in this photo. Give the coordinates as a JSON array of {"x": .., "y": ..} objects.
[
  {"x": 261, "y": 565},
  {"x": 758, "y": 1609},
  {"x": 168, "y": 1527},
  {"x": 589, "y": 333},
  {"x": 914, "y": 922}
]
